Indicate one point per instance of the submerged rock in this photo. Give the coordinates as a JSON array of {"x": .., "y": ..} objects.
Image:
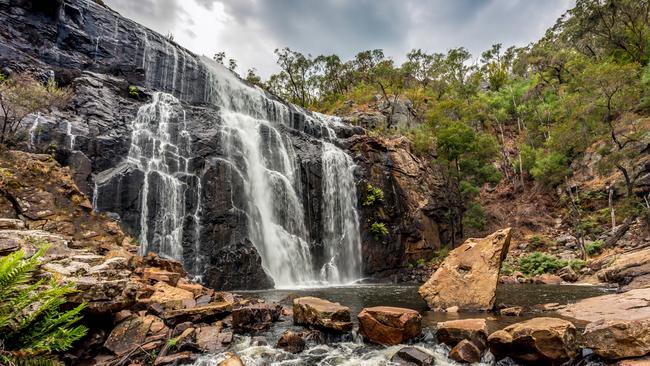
[
  {"x": 322, "y": 314},
  {"x": 465, "y": 352},
  {"x": 469, "y": 275},
  {"x": 543, "y": 340},
  {"x": 411, "y": 356},
  {"x": 616, "y": 339},
  {"x": 291, "y": 342},
  {"x": 389, "y": 325}
]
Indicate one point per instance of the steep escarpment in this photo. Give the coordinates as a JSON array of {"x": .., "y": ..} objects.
[{"x": 205, "y": 169}]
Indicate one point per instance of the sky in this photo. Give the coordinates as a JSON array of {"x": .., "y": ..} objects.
[{"x": 250, "y": 30}]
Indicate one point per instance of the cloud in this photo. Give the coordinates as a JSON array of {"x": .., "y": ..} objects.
[{"x": 249, "y": 30}]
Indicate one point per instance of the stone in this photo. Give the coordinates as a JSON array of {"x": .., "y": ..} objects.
[
  {"x": 171, "y": 297},
  {"x": 615, "y": 339},
  {"x": 468, "y": 277},
  {"x": 231, "y": 360},
  {"x": 207, "y": 338},
  {"x": 547, "y": 279},
  {"x": 568, "y": 274},
  {"x": 205, "y": 314},
  {"x": 238, "y": 266},
  {"x": 631, "y": 269},
  {"x": 153, "y": 275},
  {"x": 321, "y": 313},
  {"x": 389, "y": 325},
  {"x": 175, "y": 359},
  {"x": 255, "y": 317},
  {"x": 195, "y": 288},
  {"x": 542, "y": 340},
  {"x": 512, "y": 311},
  {"x": 412, "y": 356},
  {"x": 128, "y": 335},
  {"x": 465, "y": 352},
  {"x": 453, "y": 332},
  {"x": 11, "y": 224},
  {"x": 631, "y": 305},
  {"x": 644, "y": 361},
  {"x": 291, "y": 342}
]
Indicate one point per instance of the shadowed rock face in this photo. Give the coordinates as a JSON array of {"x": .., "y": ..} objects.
[{"x": 197, "y": 197}]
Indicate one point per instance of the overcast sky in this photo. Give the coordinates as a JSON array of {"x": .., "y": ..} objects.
[{"x": 249, "y": 30}]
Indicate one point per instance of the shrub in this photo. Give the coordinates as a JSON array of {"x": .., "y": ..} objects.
[
  {"x": 373, "y": 195},
  {"x": 538, "y": 263},
  {"x": 537, "y": 242},
  {"x": 550, "y": 168},
  {"x": 440, "y": 255},
  {"x": 134, "y": 92},
  {"x": 576, "y": 264},
  {"x": 507, "y": 269},
  {"x": 378, "y": 230},
  {"x": 594, "y": 247},
  {"x": 475, "y": 216},
  {"x": 32, "y": 324}
]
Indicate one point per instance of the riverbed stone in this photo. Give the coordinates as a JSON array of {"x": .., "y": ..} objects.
[
  {"x": 465, "y": 352},
  {"x": 453, "y": 332},
  {"x": 616, "y": 338},
  {"x": 389, "y": 325},
  {"x": 412, "y": 356},
  {"x": 206, "y": 313},
  {"x": 291, "y": 341},
  {"x": 128, "y": 334},
  {"x": 631, "y": 305},
  {"x": 468, "y": 277},
  {"x": 539, "y": 340},
  {"x": 321, "y": 313},
  {"x": 255, "y": 317},
  {"x": 547, "y": 279}
]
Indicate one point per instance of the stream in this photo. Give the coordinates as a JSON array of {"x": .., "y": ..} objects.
[{"x": 353, "y": 351}]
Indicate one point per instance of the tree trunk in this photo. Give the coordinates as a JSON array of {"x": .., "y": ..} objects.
[{"x": 612, "y": 211}]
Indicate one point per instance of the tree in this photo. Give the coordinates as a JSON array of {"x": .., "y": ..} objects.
[
  {"x": 20, "y": 96},
  {"x": 295, "y": 81},
  {"x": 32, "y": 324},
  {"x": 253, "y": 78}
]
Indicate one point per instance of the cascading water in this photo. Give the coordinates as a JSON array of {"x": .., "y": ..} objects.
[{"x": 160, "y": 148}]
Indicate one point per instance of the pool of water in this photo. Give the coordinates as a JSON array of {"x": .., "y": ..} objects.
[{"x": 354, "y": 352}]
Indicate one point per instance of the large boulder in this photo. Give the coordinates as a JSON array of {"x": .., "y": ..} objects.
[
  {"x": 321, "y": 313},
  {"x": 292, "y": 342},
  {"x": 469, "y": 275},
  {"x": 412, "y": 356},
  {"x": 465, "y": 352},
  {"x": 389, "y": 325},
  {"x": 453, "y": 332},
  {"x": 616, "y": 338},
  {"x": 539, "y": 340}
]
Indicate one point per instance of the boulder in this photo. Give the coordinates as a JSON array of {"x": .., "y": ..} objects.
[
  {"x": 153, "y": 275},
  {"x": 291, "y": 342},
  {"x": 321, "y": 314},
  {"x": 547, "y": 279},
  {"x": 205, "y": 314},
  {"x": 631, "y": 305},
  {"x": 453, "y": 332},
  {"x": 465, "y": 352},
  {"x": 128, "y": 335},
  {"x": 568, "y": 274},
  {"x": 231, "y": 360},
  {"x": 171, "y": 297},
  {"x": 615, "y": 339},
  {"x": 468, "y": 277},
  {"x": 512, "y": 311},
  {"x": 543, "y": 340},
  {"x": 630, "y": 269},
  {"x": 389, "y": 325},
  {"x": 208, "y": 339},
  {"x": 412, "y": 356},
  {"x": 175, "y": 359},
  {"x": 255, "y": 317}
]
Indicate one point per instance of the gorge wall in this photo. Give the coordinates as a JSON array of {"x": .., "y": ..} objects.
[{"x": 246, "y": 190}]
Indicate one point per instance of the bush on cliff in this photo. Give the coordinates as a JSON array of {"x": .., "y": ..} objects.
[{"x": 32, "y": 323}]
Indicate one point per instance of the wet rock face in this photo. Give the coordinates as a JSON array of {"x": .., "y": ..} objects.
[
  {"x": 416, "y": 209},
  {"x": 389, "y": 325},
  {"x": 319, "y": 313}
]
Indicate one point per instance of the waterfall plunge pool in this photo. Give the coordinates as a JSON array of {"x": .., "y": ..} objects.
[{"x": 355, "y": 353}]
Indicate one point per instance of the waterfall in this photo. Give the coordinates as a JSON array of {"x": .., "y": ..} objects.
[
  {"x": 340, "y": 218},
  {"x": 160, "y": 148}
]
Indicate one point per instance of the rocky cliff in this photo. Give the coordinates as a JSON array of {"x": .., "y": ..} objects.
[{"x": 159, "y": 138}]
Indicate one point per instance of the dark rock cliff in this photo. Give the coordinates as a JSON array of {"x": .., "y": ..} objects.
[{"x": 100, "y": 54}]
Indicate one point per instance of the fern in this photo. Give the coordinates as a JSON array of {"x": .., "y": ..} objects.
[{"x": 32, "y": 324}]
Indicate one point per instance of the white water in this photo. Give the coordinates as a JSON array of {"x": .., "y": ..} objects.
[
  {"x": 160, "y": 148},
  {"x": 33, "y": 131},
  {"x": 270, "y": 170}
]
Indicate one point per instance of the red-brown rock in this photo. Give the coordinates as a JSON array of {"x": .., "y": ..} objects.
[{"x": 389, "y": 325}]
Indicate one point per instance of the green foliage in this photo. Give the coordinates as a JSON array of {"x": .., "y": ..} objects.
[
  {"x": 32, "y": 323},
  {"x": 373, "y": 195},
  {"x": 440, "y": 255},
  {"x": 378, "y": 230},
  {"x": 133, "y": 91},
  {"x": 539, "y": 263},
  {"x": 507, "y": 268},
  {"x": 594, "y": 247},
  {"x": 537, "y": 242},
  {"x": 475, "y": 216},
  {"x": 550, "y": 168}
]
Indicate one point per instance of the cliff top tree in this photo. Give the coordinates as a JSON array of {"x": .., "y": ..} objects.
[
  {"x": 22, "y": 95},
  {"x": 32, "y": 324}
]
